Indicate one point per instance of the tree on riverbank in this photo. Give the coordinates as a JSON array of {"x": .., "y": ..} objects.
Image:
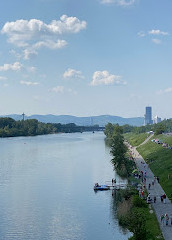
[
  {"x": 119, "y": 150},
  {"x": 134, "y": 214},
  {"x": 164, "y": 126},
  {"x": 32, "y": 127}
]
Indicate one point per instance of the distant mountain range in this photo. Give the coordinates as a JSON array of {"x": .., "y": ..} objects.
[{"x": 101, "y": 120}]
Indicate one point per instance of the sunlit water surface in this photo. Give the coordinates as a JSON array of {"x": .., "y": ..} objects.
[{"x": 46, "y": 188}]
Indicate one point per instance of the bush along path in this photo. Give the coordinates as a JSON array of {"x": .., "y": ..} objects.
[{"x": 155, "y": 191}]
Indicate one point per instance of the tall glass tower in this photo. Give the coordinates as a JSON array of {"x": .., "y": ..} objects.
[{"x": 148, "y": 116}]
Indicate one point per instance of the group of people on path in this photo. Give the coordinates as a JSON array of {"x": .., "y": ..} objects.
[{"x": 166, "y": 219}]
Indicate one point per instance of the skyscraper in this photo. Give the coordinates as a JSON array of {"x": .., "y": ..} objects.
[
  {"x": 157, "y": 119},
  {"x": 148, "y": 116}
]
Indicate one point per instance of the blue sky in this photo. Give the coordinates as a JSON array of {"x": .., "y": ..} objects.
[{"x": 85, "y": 58}]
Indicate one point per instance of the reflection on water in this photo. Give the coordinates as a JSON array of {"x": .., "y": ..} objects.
[{"x": 46, "y": 188}]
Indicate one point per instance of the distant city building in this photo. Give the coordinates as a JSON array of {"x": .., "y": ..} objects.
[
  {"x": 157, "y": 119},
  {"x": 148, "y": 116}
]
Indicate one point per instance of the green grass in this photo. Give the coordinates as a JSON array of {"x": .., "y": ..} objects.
[
  {"x": 135, "y": 139},
  {"x": 152, "y": 225},
  {"x": 160, "y": 161},
  {"x": 129, "y": 205}
]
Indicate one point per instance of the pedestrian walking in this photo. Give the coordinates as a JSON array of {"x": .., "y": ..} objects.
[
  {"x": 149, "y": 186},
  {"x": 154, "y": 179},
  {"x": 166, "y": 219},
  {"x": 142, "y": 194},
  {"x": 157, "y": 179},
  {"x": 164, "y": 199},
  {"x": 152, "y": 182},
  {"x": 154, "y": 199},
  {"x": 162, "y": 219}
]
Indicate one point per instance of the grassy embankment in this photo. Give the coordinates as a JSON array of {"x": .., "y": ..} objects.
[
  {"x": 135, "y": 139},
  {"x": 128, "y": 211},
  {"x": 160, "y": 161},
  {"x": 158, "y": 158}
]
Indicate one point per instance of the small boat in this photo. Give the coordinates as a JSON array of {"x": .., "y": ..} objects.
[{"x": 98, "y": 187}]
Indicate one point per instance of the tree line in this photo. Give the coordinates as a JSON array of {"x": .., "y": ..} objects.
[
  {"x": 32, "y": 127},
  {"x": 120, "y": 159},
  {"x": 159, "y": 128},
  {"x": 133, "y": 212}
]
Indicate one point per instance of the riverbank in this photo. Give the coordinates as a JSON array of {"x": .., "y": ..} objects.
[
  {"x": 32, "y": 127},
  {"x": 136, "y": 215},
  {"x": 133, "y": 212},
  {"x": 151, "y": 149},
  {"x": 158, "y": 158}
]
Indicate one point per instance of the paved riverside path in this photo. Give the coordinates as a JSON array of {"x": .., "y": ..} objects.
[{"x": 156, "y": 190}]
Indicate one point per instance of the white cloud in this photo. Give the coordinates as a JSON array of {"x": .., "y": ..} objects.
[
  {"x": 29, "y": 53},
  {"x": 123, "y": 3},
  {"x": 17, "y": 66},
  {"x": 104, "y": 77},
  {"x": 57, "y": 89},
  {"x": 156, "y": 41},
  {"x": 22, "y": 33},
  {"x": 2, "y": 78},
  {"x": 158, "y": 32},
  {"x": 14, "y": 67},
  {"x": 141, "y": 34},
  {"x": 107, "y": 1},
  {"x": 28, "y": 83},
  {"x": 167, "y": 90},
  {"x": 72, "y": 73},
  {"x": 62, "y": 89},
  {"x": 31, "y": 69},
  {"x": 16, "y": 54},
  {"x": 50, "y": 44}
]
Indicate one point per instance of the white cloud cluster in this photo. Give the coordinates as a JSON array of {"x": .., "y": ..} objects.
[
  {"x": 104, "y": 77},
  {"x": 62, "y": 89},
  {"x": 154, "y": 32},
  {"x": 158, "y": 32},
  {"x": 28, "y": 83},
  {"x": 34, "y": 34},
  {"x": 14, "y": 67},
  {"x": 72, "y": 73},
  {"x": 167, "y": 90},
  {"x": 50, "y": 44},
  {"x": 141, "y": 34},
  {"x": 57, "y": 89},
  {"x": 123, "y": 3},
  {"x": 29, "y": 53}
]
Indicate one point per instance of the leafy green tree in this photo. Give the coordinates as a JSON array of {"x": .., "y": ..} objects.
[
  {"x": 118, "y": 150},
  {"x": 109, "y": 130},
  {"x": 137, "y": 224}
]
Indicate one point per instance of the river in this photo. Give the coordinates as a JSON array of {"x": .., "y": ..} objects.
[{"x": 46, "y": 188}]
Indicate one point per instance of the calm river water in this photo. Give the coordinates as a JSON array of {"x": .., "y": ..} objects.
[{"x": 46, "y": 188}]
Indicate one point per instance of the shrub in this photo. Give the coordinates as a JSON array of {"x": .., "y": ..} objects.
[{"x": 138, "y": 202}]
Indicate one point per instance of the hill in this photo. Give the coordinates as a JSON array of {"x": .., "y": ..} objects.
[{"x": 101, "y": 120}]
